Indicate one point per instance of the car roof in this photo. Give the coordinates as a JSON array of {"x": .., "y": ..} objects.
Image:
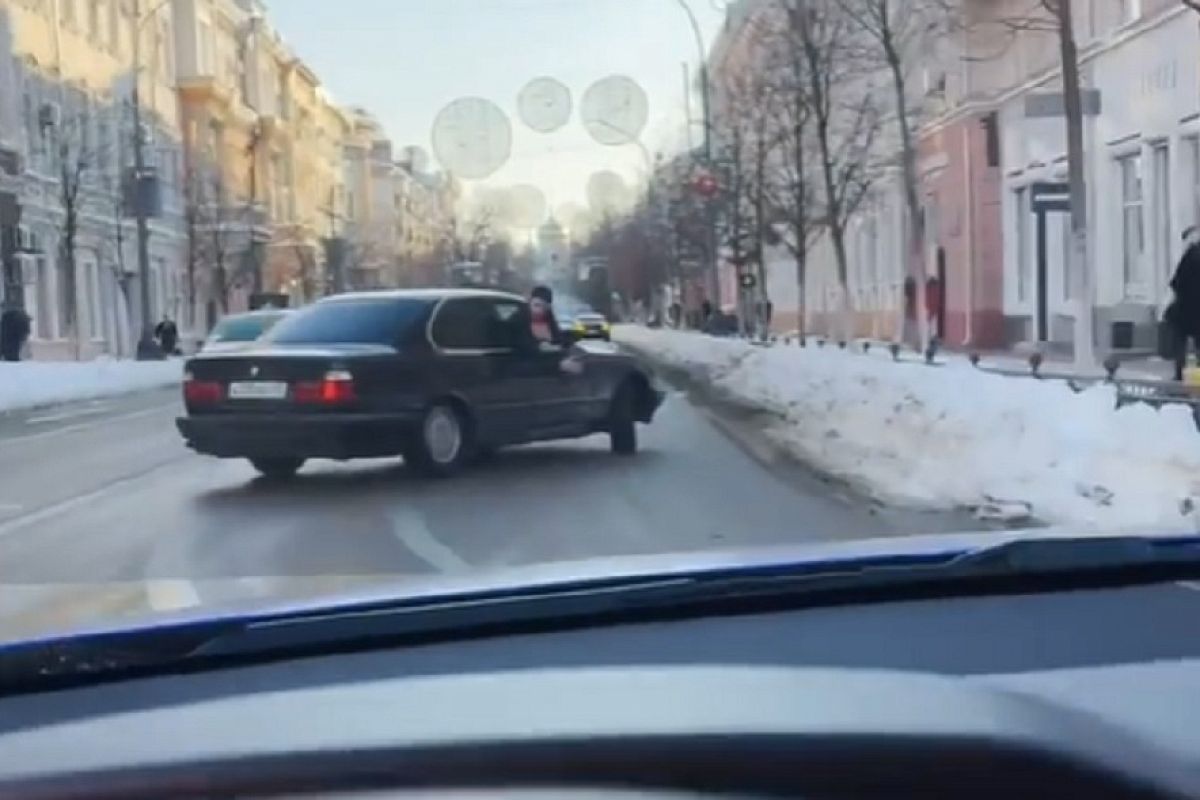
[
  {"x": 258, "y": 312},
  {"x": 431, "y": 295}
]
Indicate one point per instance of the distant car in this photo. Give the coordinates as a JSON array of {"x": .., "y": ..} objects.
[
  {"x": 582, "y": 322},
  {"x": 589, "y": 325},
  {"x": 237, "y": 331},
  {"x": 436, "y": 375}
]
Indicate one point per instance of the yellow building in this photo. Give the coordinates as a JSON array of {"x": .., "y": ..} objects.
[
  {"x": 315, "y": 132},
  {"x": 73, "y": 66},
  {"x": 228, "y": 113}
]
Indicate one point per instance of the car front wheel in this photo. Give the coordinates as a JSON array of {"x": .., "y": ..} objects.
[
  {"x": 622, "y": 429},
  {"x": 440, "y": 446},
  {"x": 277, "y": 468}
]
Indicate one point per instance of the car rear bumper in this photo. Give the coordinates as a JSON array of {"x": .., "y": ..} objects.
[{"x": 340, "y": 436}]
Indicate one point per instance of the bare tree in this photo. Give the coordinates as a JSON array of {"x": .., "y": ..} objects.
[
  {"x": 76, "y": 155},
  {"x": 844, "y": 119},
  {"x": 893, "y": 32},
  {"x": 1055, "y": 17},
  {"x": 749, "y": 129},
  {"x": 212, "y": 224}
]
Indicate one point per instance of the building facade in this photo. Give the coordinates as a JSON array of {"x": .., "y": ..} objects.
[
  {"x": 990, "y": 133},
  {"x": 263, "y": 183},
  {"x": 71, "y": 66}
]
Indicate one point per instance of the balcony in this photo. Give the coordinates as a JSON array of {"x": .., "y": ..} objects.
[{"x": 204, "y": 89}]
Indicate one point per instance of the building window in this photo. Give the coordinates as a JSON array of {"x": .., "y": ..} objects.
[
  {"x": 1162, "y": 206},
  {"x": 991, "y": 133},
  {"x": 94, "y": 16},
  {"x": 166, "y": 52},
  {"x": 43, "y": 315},
  {"x": 1132, "y": 230},
  {"x": 68, "y": 12},
  {"x": 1192, "y": 145},
  {"x": 1024, "y": 262},
  {"x": 114, "y": 26},
  {"x": 204, "y": 48}
]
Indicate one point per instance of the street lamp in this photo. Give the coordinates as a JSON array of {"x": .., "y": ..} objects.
[{"x": 146, "y": 346}]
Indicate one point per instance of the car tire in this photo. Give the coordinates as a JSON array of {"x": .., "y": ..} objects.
[
  {"x": 277, "y": 469},
  {"x": 622, "y": 428},
  {"x": 440, "y": 446}
]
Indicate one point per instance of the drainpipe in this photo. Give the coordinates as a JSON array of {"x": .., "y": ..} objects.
[{"x": 969, "y": 194}]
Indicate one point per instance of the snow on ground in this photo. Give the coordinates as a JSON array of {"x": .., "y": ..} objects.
[
  {"x": 27, "y": 384},
  {"x": 955, "y": 436}
]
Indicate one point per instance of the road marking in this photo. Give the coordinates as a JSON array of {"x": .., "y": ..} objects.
[
  {"x": 83, "y": 426},
  {"x": 410, "y": 529},
  {"x": 75, "y": 414},
  {"x": 171, "y": 594},
  {"x": 63, "y": 506}
]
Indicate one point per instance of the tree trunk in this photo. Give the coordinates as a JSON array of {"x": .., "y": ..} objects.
[
  {"x": 916, "y": 228},
  {"x": 1085, "y": 354}
]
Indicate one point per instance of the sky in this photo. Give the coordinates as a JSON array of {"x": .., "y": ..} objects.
[{"x": 404, "y": 60}]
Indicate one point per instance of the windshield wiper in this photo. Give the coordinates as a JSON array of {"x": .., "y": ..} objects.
[{"x": 1026, "y": 564}]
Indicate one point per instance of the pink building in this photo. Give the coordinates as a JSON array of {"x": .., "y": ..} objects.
[{"x": 959, "y": 161}]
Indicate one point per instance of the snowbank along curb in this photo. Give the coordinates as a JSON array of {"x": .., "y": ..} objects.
[
  {"x": 957, "y": 436},
  {"x": 32, "y": 384}
]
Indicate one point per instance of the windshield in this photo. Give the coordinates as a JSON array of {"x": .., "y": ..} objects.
[
  {"x": 574, "y": 282},
  {"x": 372, "y": 321},
  {"x": 243, "y": 329}
]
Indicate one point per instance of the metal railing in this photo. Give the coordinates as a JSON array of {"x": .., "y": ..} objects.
[{"x": 1153, "y": 392}]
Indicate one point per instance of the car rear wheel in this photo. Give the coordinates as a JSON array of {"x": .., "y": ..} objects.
[
  {"x": 277, "y": 468},
  {"x": 440, "y": 446},
  {"x": 622, "y": 429}
]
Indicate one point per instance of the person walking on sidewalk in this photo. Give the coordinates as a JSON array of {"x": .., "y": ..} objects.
[
  {"x": 14, "y": 330},
  {"x": 167, "y": 334},
  {"x": 1183, "y": 314}
]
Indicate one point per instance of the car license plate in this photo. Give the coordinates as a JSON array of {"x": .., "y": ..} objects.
[{"x": 257, "y": 390}]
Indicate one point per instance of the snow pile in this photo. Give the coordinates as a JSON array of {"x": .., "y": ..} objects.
[
  {"x": 27, "y": 384},
  {"x": 955, "y": 436}
]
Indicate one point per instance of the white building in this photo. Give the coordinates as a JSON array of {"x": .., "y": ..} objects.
[{"x": 1142, "y": 170}]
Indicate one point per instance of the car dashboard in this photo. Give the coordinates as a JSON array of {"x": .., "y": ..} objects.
[{"x": 1083, "y": 694}]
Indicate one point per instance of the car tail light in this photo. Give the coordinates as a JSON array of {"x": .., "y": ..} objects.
[
  {"x": 335, "y": 388},
  {"x": 202, "y": 392}
]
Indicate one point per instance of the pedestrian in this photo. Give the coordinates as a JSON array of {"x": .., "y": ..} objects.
[
  {"x": 14, "y": 331},
  {"x": 543, "y": 323},
  {"x": 1183, "y": 314},
  {"x": 167, "y": 334},
  {"x": 909, "y": 332}
]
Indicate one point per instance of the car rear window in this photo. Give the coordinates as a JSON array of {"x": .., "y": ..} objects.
[
  {"x": 381, "y": 321},
  {"x": 243, "y": 329}
]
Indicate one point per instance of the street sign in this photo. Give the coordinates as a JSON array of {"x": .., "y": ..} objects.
[{"x": 1047, "y": 196}]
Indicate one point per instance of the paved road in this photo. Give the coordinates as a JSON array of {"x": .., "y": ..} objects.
[{"x": 104, "y": 512}]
